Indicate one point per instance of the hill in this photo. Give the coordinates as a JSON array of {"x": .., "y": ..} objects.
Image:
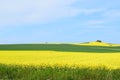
[
  {"x": 62, "y": 47},
  {"x": 98, "y": 44}
]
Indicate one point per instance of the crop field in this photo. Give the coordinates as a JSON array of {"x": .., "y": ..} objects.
[
  {"x": 59, "y": 61},
  {"x": 111, "y": 60}
]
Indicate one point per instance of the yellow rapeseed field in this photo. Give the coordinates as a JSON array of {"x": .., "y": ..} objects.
[
  {"x": 98, "y": 44},
  {"x": 111, "y": 60}
]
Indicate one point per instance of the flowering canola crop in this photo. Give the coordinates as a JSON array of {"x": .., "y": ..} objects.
[{"x": 111, "y": 60}]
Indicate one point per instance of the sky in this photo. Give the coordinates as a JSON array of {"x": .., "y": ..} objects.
[{"x": 76, "y": 21}]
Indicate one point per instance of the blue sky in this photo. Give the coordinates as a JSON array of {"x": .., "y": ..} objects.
[{"x": 34, "y": 21}]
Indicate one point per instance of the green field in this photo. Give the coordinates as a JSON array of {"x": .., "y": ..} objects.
[
  {"x": 61, "y": 48},
  {"x": 59, "y": 61}
]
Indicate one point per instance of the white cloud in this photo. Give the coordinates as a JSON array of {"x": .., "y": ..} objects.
[
  {"x": 38, "y": 11},
  {"x": 112, "y": 14},
  {"x": 90, "y": 11},
  {"x": 108, "y": 16},
  {"x": 96, "y": 22}
]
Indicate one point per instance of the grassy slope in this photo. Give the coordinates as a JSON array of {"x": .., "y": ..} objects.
[{"x": 61, "y": 47}]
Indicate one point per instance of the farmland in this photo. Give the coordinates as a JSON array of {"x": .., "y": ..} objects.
[
  {"x": 60, "y": 58},
  {"x": 59, "y": 61}
]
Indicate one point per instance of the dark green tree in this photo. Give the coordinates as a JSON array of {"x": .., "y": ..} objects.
[{"x": 99, "y": 41}]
